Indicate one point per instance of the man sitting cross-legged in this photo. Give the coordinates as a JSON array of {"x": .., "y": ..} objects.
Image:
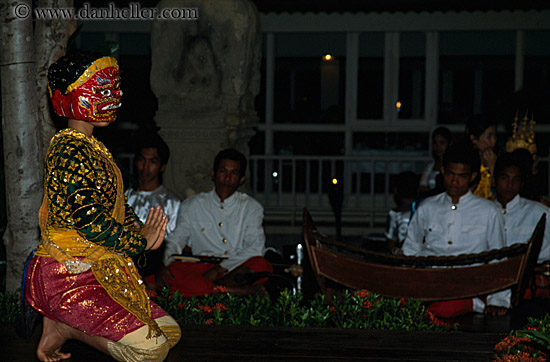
[
  {"x": 458, "y": 222},
  {"x": 223, "y": 223},
  {"x": 520, "y": 215}
]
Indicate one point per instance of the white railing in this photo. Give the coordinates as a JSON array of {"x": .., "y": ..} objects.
[
  {"x": 294, "y": 182},
  {"x": 306, "y": 181}
]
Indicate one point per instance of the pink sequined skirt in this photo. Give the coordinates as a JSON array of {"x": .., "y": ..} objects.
[{"x": 78, "y": 300}]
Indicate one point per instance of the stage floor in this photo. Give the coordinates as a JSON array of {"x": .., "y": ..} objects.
[
  {"x": 224, "y": 343},
  {"x": 475, "y": 340}
]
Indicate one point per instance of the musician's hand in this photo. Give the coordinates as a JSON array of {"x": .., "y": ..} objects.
[
  {"x": 154, "y": 228},
  {"x": 496, "y": 311},
  {"x": 164, "y": 278},
  {"x": 214, "y": 273}
]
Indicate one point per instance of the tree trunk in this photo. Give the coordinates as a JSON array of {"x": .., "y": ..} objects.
[
  {"x": 21, "y": 136},
  {"x": 50, "y": 39}
]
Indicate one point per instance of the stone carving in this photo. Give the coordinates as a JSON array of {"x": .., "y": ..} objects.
[{"x": 205, "y": 74}]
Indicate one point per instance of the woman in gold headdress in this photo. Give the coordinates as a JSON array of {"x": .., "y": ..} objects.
[
  {"x": 481, "y": 132},
  {"x": 81, "y": 277},
  {"x": 522, "y": 144}
]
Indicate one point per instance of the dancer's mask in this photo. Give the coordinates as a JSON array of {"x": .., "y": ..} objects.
[{"x": 85, "y": 86}]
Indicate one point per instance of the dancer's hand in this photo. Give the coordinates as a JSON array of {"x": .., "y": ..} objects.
[
  {"x": 154, "y": 228},
  {"x": 135, "y": 227}
]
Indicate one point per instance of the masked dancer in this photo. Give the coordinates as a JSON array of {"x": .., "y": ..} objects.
[{"x": 81, "y": 277}]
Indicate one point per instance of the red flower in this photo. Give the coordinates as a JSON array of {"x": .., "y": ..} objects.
[
  {"x": 220, "y": 306},
  {"x": 509, "y": 342},
  {"x": 219, "y": 289},
  {"x": 439, "y": 322},
  {"x": 525, "y": 357},
  {"x": 181, "y": 305},
  {"x": 430, "y": 315},
  {"x": 367, "y": 305},
  {"x": 205, "y": 308},
  {"x": 152, "y": 293},
  {"x": 436, "y": 321},
  {"x": 209, "y": 322},
  {"x": 503, "y": 345},
  {"x": 363, "y": 293},
  {"x": 403, "y": 302}
]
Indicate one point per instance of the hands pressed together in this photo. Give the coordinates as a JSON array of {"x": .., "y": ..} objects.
[{"x": 154, "y": 228}]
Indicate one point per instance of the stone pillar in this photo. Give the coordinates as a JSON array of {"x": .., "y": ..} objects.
[{"x": 205, "y": 74}]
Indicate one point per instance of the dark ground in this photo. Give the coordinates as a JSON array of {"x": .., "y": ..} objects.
[
  {"x": 223, "y": 343},
  {"x": 474, "y": 341}
]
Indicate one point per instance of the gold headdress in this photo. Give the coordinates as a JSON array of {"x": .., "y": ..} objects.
[{"x": 523, "y": 136}]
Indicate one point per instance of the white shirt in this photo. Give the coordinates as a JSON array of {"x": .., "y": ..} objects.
[
  {"x": 231, "y": 229},
  {"x": 520, "y": 219},
  {"x": 397, "y": 225},
  {"x": 428, "y": 176},
  {"x": 473, "y": 225},
  {"x": 143, "y": 201}
]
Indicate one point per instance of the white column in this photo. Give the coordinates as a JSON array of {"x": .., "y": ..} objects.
[
  {"x": 391, "y": 76},
  {"x": 269, "y": 91},
  {"x": 352, "y": 70}
]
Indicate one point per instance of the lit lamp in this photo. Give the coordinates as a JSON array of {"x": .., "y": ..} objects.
[
  {"x": 336, "y": 198},
  {"x": 328, "y": 58}
]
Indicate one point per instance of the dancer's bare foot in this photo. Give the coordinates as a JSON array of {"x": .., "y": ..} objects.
[{"x": 54, "y": 334}]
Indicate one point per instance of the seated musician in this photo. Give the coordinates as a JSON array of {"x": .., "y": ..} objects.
[
  {"x": 458, "y": 222},
  {"x": 404, "y": 193},
  {"x": 222, "y": 223},
  {"x": 520, "y": 214},
  {"x": 151, "y": 157}
]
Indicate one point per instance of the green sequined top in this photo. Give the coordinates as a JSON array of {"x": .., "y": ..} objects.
[{"x": 81, "y": 189}]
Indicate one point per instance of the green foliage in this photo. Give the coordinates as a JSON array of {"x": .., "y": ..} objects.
[
  {"x": 351, "y": 310},
  {"x": 9, "y": 307},
  {"x": 529, "y": 344}
]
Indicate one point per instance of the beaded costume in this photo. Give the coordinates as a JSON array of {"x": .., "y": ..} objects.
[{"x": 80, "y": 197}]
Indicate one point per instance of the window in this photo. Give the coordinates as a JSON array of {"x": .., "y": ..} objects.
[
  {"x": 412, "y": 75},
  {"x": 536, "y": 90},
  {"x": 370, "y": 83},
  {"x": 476, "y": 73},
  {"x": 309, "y": 87}
]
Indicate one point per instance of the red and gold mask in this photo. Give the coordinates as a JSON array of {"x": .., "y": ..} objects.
[{"x": 94, "y": 96}]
